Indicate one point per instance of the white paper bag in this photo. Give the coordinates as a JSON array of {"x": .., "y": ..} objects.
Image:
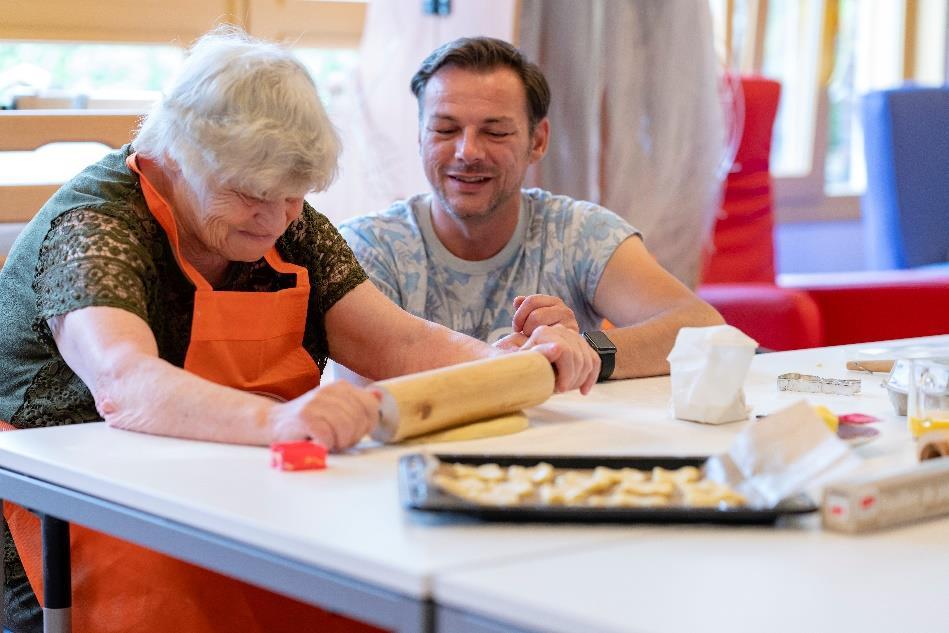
[
  {"x": 708, "y": 366},
  {"x": 788, "y": 452}
]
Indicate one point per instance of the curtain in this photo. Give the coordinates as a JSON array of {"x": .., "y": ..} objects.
[
  {"x": 376, "y": 113},
  {"x": 637, "y": 119}
]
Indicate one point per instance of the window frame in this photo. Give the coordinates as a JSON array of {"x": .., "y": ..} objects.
[
  {"x": 805, "y": 198},
  {"x": 330, "y": 23}
]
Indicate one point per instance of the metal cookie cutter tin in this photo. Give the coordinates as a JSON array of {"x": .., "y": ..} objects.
[
  {"x": 897, "y": 383},
  {"x": 816, "y": 384}
]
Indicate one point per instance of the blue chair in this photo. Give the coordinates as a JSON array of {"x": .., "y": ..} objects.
[{"x": 906, "y": 206}]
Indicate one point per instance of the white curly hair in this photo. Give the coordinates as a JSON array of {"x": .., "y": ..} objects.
[{"x": 244, "y": 114}]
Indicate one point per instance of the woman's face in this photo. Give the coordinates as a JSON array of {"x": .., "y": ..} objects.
[{"x": 237, "y": 226}]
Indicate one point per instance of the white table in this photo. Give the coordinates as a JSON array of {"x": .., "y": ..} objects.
[
  {"x": 679, "y": 579},
  {"x": 339, "y": 539},
  {"x": 793, "y": 577},
  {"x": 336, "y": 538}
]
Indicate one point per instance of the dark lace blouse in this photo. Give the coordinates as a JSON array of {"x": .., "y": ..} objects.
[{"x": 96, "y": 244}]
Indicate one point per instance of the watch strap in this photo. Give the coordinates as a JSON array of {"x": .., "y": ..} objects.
[{"x": 605, "y": 348}]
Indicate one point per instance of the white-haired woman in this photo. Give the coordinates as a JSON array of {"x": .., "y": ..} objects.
[{"x": 172, "y": 286}]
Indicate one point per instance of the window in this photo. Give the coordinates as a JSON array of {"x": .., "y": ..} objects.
[
  {"x": 120, "y": 53},
  {"x": 329, "y": 68},
  {"x": 56, "y": 75},
  {"x": 73, "y": 72},
  {"x": 827, "y": 54}
]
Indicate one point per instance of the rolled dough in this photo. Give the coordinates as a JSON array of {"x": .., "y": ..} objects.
[{"x": 492, "y": 427}]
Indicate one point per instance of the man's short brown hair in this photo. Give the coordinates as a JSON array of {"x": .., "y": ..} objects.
[{"x": 484, "y": 54}]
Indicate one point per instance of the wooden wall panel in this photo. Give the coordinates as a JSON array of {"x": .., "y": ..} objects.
[
  {"x": 328, "y": 23},
  {"x": 309, "y": 22},
  {"x": 159, "y": 21}
]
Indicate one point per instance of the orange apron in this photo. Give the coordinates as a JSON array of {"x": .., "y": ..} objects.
[
  {"x": 247, "y": 340},
  {"x": 119, "y": 587}
]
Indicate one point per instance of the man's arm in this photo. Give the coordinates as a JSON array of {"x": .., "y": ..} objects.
[
  {"x": 375, "y": 338},
  {"x": 400, "y": 343},
  {"x": 648, "y": 306}
]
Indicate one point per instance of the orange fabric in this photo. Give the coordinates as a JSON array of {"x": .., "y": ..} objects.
[
  {"x": 231, "y": 343},
  {"x": 119, "y": 587},
  {"x": 247, "y": 340}
]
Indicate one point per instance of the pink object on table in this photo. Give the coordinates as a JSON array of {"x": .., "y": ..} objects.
[
  {"x": 856, "y": 418},
  {"x": 304, "y": 455}
]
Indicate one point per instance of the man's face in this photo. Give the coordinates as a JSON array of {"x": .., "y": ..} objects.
[{"x": 475, "y": 141}]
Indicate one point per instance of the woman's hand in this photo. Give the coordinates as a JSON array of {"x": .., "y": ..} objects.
[
  {"x": 576, "y": 363},
  {"x": 532, "y": 311},
  {"x": 510, "y": 343},
  {"x": 337, "y": 415}
]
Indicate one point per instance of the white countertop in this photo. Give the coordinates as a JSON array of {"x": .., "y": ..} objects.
[
  {"x": 792, "y": 577},
  {"x": 679, "y": 579},
  {"x": 348, "y": 518}
]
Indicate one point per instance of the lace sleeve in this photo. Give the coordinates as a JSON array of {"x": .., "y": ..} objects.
[
  {"x": 334, "y": 270},
  {"x": 92, "y": 258}
]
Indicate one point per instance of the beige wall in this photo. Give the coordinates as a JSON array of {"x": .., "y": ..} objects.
[{"x": 304, "y": 22}]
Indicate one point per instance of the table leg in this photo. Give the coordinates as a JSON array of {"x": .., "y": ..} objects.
[
  {"x": 57, "y": 582},
  {"x": 3, "y": 578}
]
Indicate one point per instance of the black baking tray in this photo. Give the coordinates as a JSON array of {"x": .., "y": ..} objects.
[{"x": 417, "y": 494}]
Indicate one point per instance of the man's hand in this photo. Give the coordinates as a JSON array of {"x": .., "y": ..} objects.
[
  {"x": 576, "y": 363},
  {"x": 533, "y": 311}
]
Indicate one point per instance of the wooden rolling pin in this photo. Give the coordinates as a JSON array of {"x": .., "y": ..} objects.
[
  {"x": 870, "y": 365},
  {"x": 442, "y": 398},
  {"x": 932, "y": 444}
]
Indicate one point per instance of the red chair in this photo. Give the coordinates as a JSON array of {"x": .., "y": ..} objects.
[
  {"x": 802, "y": 310},
  {"x": 778, "y": 318},
  {"x": 876, "y": 305},
  {"x": 738, "y": 269},
  {"x": 743, "y": 239}
]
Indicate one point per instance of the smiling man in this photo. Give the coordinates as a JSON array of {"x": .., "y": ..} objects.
[{"x": 483, "y": 256}]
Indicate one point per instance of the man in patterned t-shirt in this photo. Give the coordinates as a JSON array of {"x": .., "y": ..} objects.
[{"x": 483, "y": 256}]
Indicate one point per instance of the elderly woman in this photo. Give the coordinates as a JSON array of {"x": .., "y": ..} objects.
[{"x": 181, "y": 286}]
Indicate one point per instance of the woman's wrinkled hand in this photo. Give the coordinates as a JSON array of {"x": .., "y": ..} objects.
[
  {"x": 511, "y": 343},
  {"x": 533, "y": 311},
  {"x": 576, "y": 363},
  {"x": 337, "y": 415}
]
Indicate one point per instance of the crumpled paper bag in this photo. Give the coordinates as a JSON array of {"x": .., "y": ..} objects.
[
  {"x": 708, "y": 369},
  {"x": 789, "y": 452}
]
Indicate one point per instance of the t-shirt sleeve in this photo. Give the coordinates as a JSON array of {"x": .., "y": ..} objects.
[
  {"x": 335, "y": 271},
  {"x": 375, "y": 257},
  {"x": 596, "y": 233},
  {"x": 89, "y": 258}
]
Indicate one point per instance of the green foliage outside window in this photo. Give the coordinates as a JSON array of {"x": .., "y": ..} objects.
[{"x": 125, "y": 69}]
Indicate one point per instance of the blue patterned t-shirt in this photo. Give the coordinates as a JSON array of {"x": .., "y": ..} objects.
[{"x": 560, "y": 247}]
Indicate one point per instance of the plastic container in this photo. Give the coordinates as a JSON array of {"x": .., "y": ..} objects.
[{"x": 927, "y": 407}]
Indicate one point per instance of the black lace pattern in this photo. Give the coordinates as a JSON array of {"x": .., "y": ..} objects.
[{"x": 121, "y": 258}]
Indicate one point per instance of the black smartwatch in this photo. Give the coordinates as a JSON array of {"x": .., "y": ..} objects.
[{"x": 604, "y": 347}]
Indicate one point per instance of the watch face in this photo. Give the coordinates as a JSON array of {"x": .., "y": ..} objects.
[{"x": 600, "y": 341}]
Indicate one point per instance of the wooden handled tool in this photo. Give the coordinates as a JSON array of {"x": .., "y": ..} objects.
[
  {"x": 442, "y": 398},
  {"x": 870, "y": 365}
]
